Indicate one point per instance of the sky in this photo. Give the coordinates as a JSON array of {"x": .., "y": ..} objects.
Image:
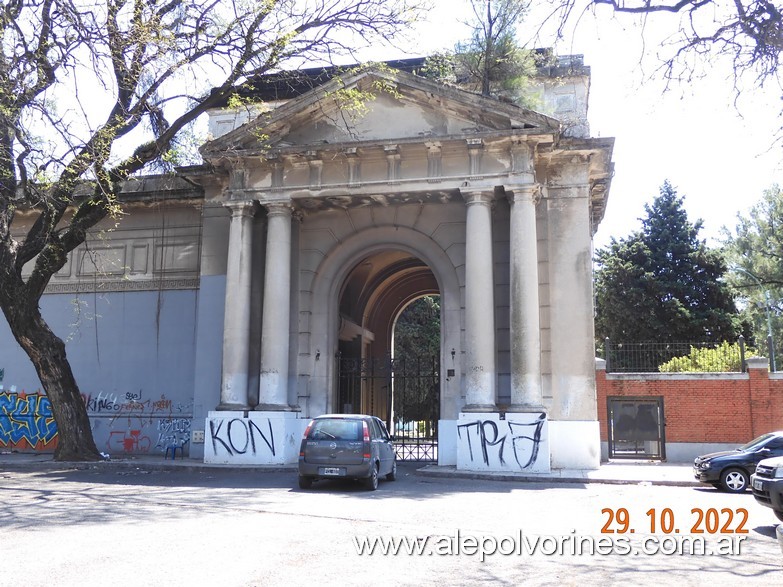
[{"x": 719, "y": 155}]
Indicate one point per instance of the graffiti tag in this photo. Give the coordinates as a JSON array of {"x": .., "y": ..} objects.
[
  {"x": 238, "y": 436},
  {"x": 486, "y": 439}
]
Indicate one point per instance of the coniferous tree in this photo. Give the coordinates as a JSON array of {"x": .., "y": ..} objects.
[
  {"x": 662, "y": 283},
  {"x": 755, "y": 254}
]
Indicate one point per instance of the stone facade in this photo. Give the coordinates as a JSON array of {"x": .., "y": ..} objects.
[{"x": 312, "y": 225}]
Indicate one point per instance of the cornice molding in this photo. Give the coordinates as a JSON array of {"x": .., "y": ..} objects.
[{"x": 123, "y": 285}]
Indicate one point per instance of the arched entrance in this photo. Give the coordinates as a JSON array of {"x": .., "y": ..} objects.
[{"x": 402, "y": 388}]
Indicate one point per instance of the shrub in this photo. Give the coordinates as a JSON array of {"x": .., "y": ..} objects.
[{"x": 722, "y": 358}]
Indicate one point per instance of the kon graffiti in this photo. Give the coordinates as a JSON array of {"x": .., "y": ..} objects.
[
  {"x": 518, "y": 443},
  {"x": 240, "y": 438}
]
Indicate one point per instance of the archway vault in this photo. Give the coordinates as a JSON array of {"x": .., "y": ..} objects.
[
  {"x": 374, "y": 375},
  {"x": 358, "y": 291},
  {"x": 371, "y": 298}
]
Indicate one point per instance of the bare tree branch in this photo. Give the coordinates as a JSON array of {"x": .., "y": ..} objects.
[
  {"x": 749, "y": 33},
  {"x": 150, "y": 68}
]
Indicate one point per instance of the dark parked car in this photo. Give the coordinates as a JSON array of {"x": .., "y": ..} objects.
[
  {"x": 767, "y": 485},
  {"x": 346, "y": 446},
  {"x": 731, "y": 469}
]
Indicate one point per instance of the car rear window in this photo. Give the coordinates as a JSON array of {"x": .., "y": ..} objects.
[{"x": 336, "y": 430}]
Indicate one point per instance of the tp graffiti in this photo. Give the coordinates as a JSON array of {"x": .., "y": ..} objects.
[{"x": 487, "y": 440}]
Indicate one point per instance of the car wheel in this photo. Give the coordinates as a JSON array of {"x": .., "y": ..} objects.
[
  {"x": 734, "y": 480},
  {"x": 778, "y": 515},
  {"x": 393, "y": 473},
  {"x": 305, "y": 482},
  {"x": 372, "y": 481}
]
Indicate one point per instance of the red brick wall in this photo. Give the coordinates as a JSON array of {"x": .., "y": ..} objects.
[{"x": 730, "y": 408}]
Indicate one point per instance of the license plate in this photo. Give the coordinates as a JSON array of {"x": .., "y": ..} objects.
[
  {"x": 332, "y": 471},
  {"x": 758, "y": 484}
]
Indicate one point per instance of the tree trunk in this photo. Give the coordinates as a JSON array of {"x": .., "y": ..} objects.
[
  {"x": 47, "y": 352},
  {"x": 488, "y": 50}
]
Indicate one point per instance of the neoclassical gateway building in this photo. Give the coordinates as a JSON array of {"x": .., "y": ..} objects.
[{"x": 242, "y": 297}]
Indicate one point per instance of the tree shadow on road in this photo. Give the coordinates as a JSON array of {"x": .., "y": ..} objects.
[{"x": 98, "y": 493}]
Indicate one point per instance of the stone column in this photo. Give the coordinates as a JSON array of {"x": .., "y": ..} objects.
[
  {"x": 571, "y": 296},
  {"x": 273, "y": 386},
  {"x": 480, "y": 368},
  {"x": 236, "y": 326},
  {"x": 525, "y": 330}
]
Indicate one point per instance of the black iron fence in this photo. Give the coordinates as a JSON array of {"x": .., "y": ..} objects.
[
  {"x": 405, "y": 393},
  {"x": 672, "y": 357}
]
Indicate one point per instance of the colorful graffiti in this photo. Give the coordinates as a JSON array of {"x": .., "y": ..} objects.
[
  {"x": 121, "y": 424},
  {"x": 26, "y": 421}
]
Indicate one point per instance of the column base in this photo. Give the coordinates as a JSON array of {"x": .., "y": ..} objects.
[
  {"x": 480, "y": 408},
  {"x": 522, "y": 408},
  {"x": 232, "y": 408},
  {"x": 517, "y": 443},
  {"x": 274, "y": 408}
]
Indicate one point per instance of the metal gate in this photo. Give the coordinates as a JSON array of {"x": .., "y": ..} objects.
[
  {"x": 405, "y": 393},
  {"x": 636, "y": 428}
]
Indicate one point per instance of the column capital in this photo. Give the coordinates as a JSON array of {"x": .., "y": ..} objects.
[
  {"x": 525, "y": 193},
  {"x": 278, "y": 208},
  {"x": 478, "y": 197},
  {"x": 241, "y": 207}
]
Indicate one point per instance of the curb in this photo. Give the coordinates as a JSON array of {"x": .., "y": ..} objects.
[
  {"x": 432, "y": 471},
  {"x": 543, "y": 478},
  {"x": 193, "y": 466}
]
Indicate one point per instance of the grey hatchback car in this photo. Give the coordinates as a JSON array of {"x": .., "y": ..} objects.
[{"x": 346, "y": 446}]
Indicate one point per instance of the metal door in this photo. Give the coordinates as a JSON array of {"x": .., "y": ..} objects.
[{"x": 636, "y": 428}]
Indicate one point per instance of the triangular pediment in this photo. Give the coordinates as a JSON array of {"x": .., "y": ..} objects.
[{"x": 401, "y": 107}]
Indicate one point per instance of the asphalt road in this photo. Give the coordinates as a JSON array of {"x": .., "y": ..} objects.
[{"x": 236, "y": 528}]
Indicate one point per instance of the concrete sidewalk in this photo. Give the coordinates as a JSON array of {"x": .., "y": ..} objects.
[{"x": 618, "y": 473}]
